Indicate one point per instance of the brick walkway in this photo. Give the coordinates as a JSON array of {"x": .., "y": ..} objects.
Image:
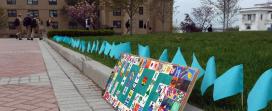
[
  {"x": 24, "y": 82},
  {"x": 27, "y": 98},
  {"x": 20, "y": 58},
  {"x": 34, "y": 77}
]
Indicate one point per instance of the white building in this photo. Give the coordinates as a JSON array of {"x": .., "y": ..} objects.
[{"x": 257, "y": 18}]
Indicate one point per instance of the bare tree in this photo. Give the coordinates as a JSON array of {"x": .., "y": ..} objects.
[
  {"x": 129, "y": 6},
  {"x": 188, "y": 25},
  {"x": 226, "y": 9},
  {"x": 203, "y": 16}
]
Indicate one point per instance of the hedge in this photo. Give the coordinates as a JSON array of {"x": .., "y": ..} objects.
[{"x": 80, "y": 33}]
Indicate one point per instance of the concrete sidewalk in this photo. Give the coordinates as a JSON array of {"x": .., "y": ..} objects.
[{"x": 73, "y": 90}]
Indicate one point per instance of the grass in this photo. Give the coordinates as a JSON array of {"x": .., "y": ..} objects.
[{"x": 252, "y": 49}]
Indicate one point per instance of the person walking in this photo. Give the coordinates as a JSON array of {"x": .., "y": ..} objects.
[
  {"x": 49, "y": 23},
  {"x": 128, "y": 26},
  {"x": 147, "y": 26},
  {"x": 210, "y": 29},
  {"x": 41, "y": 29},
  {"x": 27, "y": 23},
  {"x": 18, "y": 23},
  {"x": 87, "y": 24},
  {"x": 34, "y": 28}
]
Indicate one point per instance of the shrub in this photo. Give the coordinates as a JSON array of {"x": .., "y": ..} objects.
[{"x": 79, "y": 33}]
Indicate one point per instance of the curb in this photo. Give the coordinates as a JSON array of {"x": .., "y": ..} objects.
[{"x": 94, "y": 70}]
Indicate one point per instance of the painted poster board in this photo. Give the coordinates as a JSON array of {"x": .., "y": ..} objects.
[{"x": 144, "y": 84}]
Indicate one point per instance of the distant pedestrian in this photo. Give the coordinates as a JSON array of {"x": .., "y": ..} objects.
[
  {"x": 41, "y": 29},
  {"x": 18, "y": 23},
  {"x": 49, "y": 23},
  {"x": 147, "y": 26},
  {"x": 128, "y": 26},
  {"x": 210, "y": 29},
  {"x": 27, "y": 23},
  {"x": 87, "y": 24},
  {"x": 34, "y": 28}
]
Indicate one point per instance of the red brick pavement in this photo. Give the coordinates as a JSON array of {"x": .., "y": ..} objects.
[
  {"x": 27, "y": 98},
  {"x": 23, "y": 58},
  {"x": 20, "y": 58}
]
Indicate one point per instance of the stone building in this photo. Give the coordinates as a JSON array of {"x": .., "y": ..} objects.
[
  {"x": 147, "y": 14},
  {"x": 257, "y": 18}
]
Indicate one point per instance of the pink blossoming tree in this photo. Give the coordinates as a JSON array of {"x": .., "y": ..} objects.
[{"x": 82, "y": 11}]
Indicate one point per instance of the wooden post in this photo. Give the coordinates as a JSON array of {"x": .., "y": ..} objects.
[{"x": 242, "y": 100}]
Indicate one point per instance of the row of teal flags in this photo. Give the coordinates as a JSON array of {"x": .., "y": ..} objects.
[{"x": 228, "y": 84}]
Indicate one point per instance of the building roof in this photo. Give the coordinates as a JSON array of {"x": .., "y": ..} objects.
[{"x": 258, "y": 7}]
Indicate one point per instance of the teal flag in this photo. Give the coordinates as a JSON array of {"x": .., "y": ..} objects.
[
  {"x": 89, "y": 47},
  {"x": 122, "y": 48},
  {"x": 164, "y": 56},
  {"x": 97, "y": 46},
  {"x": 102, "y": 48},
  {"x": 195, "y": 64},
  {"x": 261, "y": 93},
  {"x": 73, "y": 43},
  {"x": 83, "y": 46},
  {"x": 78, "y": 44},
  {"x": 112, "y": 50},
  {"x": 229, "y": 84},
  {"x": 93, "y": 47},
  {"x": 209, "y": 76},
  {"x": 107, "y": 48},
  {"x": 179, "y": 59},
  {"x": 143, "y": 51}
]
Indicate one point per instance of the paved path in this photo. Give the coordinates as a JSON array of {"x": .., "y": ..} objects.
[
  {"x": 24, "y": 82},
  {"x": 33, "y": 77}
]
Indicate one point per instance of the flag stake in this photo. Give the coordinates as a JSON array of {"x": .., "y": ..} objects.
[{"x": 242, "y": 100}]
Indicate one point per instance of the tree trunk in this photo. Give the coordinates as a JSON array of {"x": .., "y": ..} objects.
[
  {"x": 131, "y": 17},
  {"x": 228, "y": 13},
  {"x": 131, "y": 26},
  {"x": 224, "y": 16},
  {"x": 163, "y": 15}
]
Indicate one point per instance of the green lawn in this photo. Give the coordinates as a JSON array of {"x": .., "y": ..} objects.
[{"x": 253, "y": 49}]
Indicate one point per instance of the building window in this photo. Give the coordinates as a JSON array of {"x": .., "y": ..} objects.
[
  {"x": 11, "y": 26},
  {"x": 53, "y": 13},
  {"x": 116, "y": 12},
  {"x": 116, "y": 24},
  {"x": 55, "y": 25},
  {"x": 32, "y": 2},
  {"x": 12, "y": 13},
  {"x": 52, "y": 2},
  {"x": 141, "y": 24},
  {"x": 261, "y": 16},
  {"x": 34, "y": 13},
  {"x": 248, "y": 17},
  {"x": 11, "y": 2},
  {"x": 141, "y": 10},
  {"x": 271, "y": 16}
]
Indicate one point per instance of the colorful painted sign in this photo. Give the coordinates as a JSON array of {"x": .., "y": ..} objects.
[{"x": 143, "y": 84}]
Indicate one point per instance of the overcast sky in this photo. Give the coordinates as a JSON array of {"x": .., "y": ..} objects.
[{"x": 185, "y": 6}]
